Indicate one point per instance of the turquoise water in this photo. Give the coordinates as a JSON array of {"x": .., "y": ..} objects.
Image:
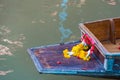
[{"x": 31, "y": 23}]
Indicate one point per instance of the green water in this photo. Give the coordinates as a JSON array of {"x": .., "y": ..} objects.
[{"x": 31, "y": 23}]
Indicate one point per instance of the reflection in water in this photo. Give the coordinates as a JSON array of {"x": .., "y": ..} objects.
[
  {"x": 11, "y": 44},
  {"x": 3, "y": 73},
  {"x": 62, "y": 16},
  {"x": 4, "y": 50},
  {"x": 66, "y": 33},
  {"x": 110, "y": 2},
  {"x": 17, "y": 43},
  {"x": 81, "y": 3},
  {"x": 8, "y": 46},
  {"x": 4, "y": 31},
  {"x": 77, "y": 3},
  {"x": 54, "y": 13}
]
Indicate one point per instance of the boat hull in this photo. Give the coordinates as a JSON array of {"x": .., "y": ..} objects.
[{"x": 49, "y": 59}]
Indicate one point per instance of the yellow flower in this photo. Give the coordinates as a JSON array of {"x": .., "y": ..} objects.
[{"x": 65, "y": 53}]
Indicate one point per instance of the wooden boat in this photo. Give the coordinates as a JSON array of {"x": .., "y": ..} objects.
[{"x": 105, "y": 60}]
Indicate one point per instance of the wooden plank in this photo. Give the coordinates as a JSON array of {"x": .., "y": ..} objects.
[
  {"x": 101, "y": 29},
  {"x": 112, "y": 48},
  {"x": 112, "y": 32},
  {"x": 117, "y": 27}
]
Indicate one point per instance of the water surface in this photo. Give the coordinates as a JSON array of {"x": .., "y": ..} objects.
[{"x": 31, "y": 23}]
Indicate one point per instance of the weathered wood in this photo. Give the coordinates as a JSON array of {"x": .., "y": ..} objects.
[
  {"x": 117, "y": 27},
  {"x": 105, "y": 32},
  {"x": 106, "y": 35},
  {"x": 101, "y": 29},
  {"x": 112, "y": 32}
]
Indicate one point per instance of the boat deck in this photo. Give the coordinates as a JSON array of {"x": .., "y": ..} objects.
[{"x": 49, "y": 59}]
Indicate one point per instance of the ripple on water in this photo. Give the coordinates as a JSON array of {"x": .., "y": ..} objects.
[{"x": 7, "y": 46}]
